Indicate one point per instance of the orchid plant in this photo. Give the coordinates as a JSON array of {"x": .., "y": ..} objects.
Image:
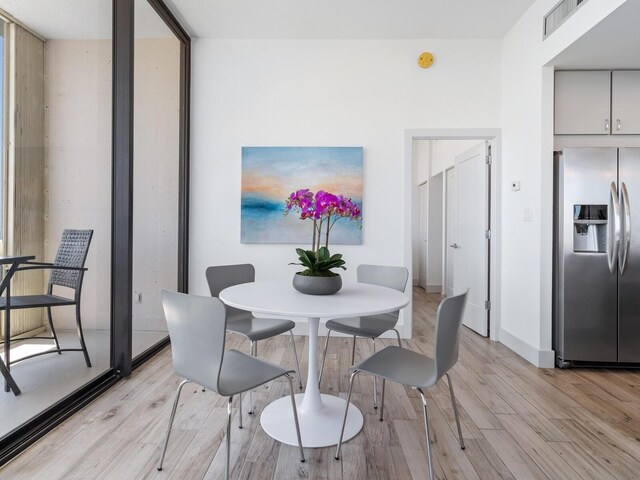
[{"x": 324, "y": 209}]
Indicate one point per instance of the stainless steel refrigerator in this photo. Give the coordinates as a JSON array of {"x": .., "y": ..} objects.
[{"x": 597, "y": 256}]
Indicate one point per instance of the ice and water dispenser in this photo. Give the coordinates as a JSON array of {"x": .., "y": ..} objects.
[{"x": 590, "y": 228}]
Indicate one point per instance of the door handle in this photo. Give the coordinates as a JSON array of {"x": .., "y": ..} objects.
[
  {"x": 626, "y": 231},
  {"x": 618, "y": 125},
  {"x": 455, "y": 245},
  {"x": 606, "y": 124},
  {"x": 613, "y": 228}
]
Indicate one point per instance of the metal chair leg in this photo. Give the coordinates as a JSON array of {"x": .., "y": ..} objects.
[
  {"x": 253, "y": 353},
  {"x": 324, "y": 356},
  {"x": 375, "y": 386},
  {"x": 226, "y": 465},
  {"x": 81, "y": 335},
  {"x": 455, "y": 412},
  {"x": 295, "y": 354},
  {"x": 240, "y": 410},
  {"x": 426, "y": 431},
  {"x": 398, "y": 335},
  {"x": 346, "y": 410},
  {"x": 173, "y": 415},
  {"x": 53, "y": 330},
  {"x": 295, "y": 416},
  {"x": 382, "y": 401},
  {"x": 353, "y": 351}
]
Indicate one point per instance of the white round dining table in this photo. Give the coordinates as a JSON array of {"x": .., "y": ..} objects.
[{"x": 320, "y": 415}]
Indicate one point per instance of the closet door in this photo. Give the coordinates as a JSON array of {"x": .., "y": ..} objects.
[
  {"x": 582, "y": 103},
  {"x": 625, "y": 102}
]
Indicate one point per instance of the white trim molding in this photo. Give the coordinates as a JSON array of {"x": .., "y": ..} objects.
[{"x": 539, "y": 358}]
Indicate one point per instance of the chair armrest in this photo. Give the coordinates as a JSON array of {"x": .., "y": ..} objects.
[{"x": 42, "y": 266}]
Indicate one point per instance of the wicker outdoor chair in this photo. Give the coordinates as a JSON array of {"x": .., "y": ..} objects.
[{"x": 66, "y": 271}]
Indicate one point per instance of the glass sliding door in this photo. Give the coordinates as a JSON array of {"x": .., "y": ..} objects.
[
  {"x": 56, "y": 139},
  {"x": 156, "y": 160}
]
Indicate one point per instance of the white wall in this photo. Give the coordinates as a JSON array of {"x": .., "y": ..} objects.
[
  {"x": 527, "y": 133},
  {"x": 323, "y": 92}
]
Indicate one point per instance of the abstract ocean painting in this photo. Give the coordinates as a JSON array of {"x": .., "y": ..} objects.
[{"x": 270, "y": 174}]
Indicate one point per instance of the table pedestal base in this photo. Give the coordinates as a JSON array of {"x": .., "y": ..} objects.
[{"x": 318, "y": 428}]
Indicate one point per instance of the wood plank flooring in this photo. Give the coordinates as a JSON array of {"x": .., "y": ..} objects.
[{"x": 519, "y": 422}]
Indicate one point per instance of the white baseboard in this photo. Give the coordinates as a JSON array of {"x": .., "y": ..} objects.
[
  {"x": 434, "y": 289},
  {"x": 539, "y": 358}
]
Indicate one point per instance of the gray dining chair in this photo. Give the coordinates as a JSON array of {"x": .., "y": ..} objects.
[
  {"x": 197, "y": 328},
  {"x": 418, "y": 371},
  {"x": 371, "y": 326},
  {"x": 243, "y": 322}
]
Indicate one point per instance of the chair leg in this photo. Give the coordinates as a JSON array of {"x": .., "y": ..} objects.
[
  {"x": 455, "y": 412},
  {"x": 53, "y": 330},
  {"x": 398, "y": 335},
  {"x": 226, "y": 465},
  {"x": 173, "y": 415},
  {"x": 324, "y": 356},
  {"x": 426, "y": 431},
  {"x": 346, "y": 410},
  {"x": 375, "y": 386},
  {"x": 81, "y": 336},
  {"x": 353, "y": 351},
  {"x": 382, "y": 401},
  {"x": 295, "y": 354},
  {"x": 240, "y": 410},
  {"x": 253, "y": 353},
  {"x": 295, "y": 415}
]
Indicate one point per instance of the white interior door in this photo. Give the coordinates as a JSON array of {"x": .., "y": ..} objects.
[
  {"x": 451, "y": 230},
  {"x": 471, "y": 263}
]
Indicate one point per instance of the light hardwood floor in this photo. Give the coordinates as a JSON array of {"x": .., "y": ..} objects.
[{"x": 519, "y": 422}]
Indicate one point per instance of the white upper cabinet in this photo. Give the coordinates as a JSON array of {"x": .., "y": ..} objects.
[
  {"x": 582, "y": 103},
  {"x": 625, "y": 102}
]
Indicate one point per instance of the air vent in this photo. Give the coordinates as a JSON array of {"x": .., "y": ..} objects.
[{"x": 558, "y": 14}]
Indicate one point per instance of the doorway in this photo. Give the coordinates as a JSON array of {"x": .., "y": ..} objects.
[{"x": 463, "y": 163}]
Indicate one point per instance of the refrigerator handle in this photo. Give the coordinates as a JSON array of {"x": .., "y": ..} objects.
[
  {"x": 613, "y": 228},
  {"x": 626, "y": 232}
]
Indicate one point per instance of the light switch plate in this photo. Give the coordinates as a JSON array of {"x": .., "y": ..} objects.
[{"x": 527, "y": 214}]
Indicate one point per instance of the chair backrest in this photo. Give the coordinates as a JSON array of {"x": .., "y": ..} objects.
[
  {"x": 220, "y": 277},
  {"x": 72, "y": 252},
  {"x": 197, "y": 327},
  {"x": 384, "y": 276},
  {"x": 447, "y": 340}
]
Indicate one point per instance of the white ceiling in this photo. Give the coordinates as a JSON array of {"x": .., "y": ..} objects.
[
  {"x": 81, "y": 19},
  {"x": 348, "y": 18},
  {"x": 612, "y": 43}
]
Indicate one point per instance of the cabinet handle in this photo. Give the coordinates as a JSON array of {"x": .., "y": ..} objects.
[
  {"x": 606, "y": 124},
  {"x": 618, "y": 125}
]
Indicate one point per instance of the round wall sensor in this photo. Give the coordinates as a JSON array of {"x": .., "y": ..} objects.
[{"x": 425, "y": 60}]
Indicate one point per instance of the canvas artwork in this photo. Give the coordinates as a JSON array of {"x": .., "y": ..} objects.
[{"x": 271, "y": 174}]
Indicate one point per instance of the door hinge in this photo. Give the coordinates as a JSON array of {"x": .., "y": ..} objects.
[
  {"x": 487, "y": 234},
  {"x": 489, "y": 159},
  {"x": 487, "y": 305}
]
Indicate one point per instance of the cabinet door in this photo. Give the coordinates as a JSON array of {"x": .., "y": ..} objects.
[
  {"x": 625, "y": 103},
  {"x": 582, "y": 103}
]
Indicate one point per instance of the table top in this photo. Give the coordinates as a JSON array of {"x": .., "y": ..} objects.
[
  {"x": 280, "y": 298},
  {"x": 16, "y": 259}
]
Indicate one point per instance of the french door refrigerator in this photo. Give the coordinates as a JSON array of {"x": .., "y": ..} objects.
[{"x": 597, "y": 256}]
